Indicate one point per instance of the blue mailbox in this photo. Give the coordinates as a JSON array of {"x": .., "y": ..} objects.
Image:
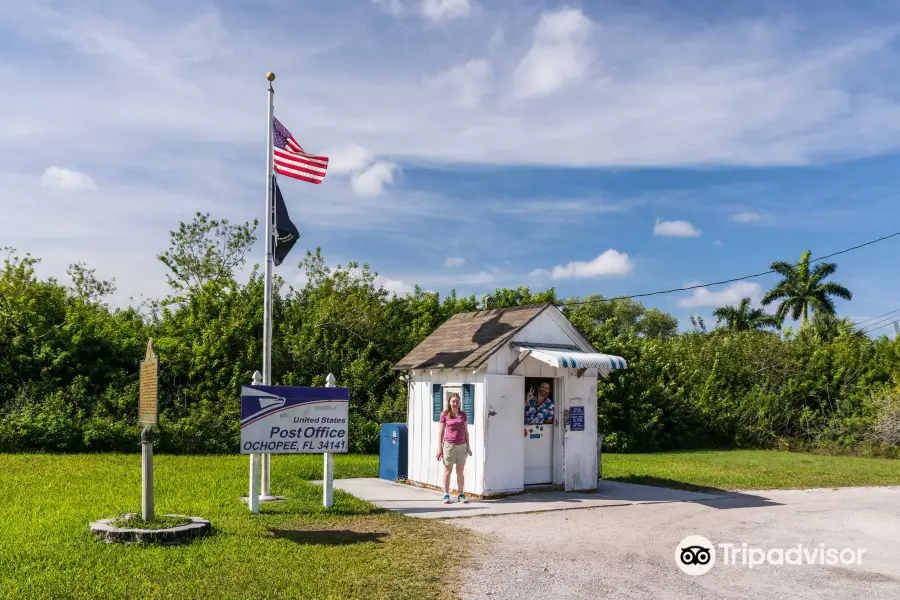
[{"x": 392, "y": 455}]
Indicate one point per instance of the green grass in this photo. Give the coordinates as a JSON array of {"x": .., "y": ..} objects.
[
  {"x": 132, "y": 521},
  {"x": 292, "y": 549},
  {"x": 295, "y": 548},
  {"x": 749, "y": 470}
]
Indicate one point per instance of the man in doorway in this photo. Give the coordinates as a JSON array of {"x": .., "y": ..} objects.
[{"x": 540, "y": 410}]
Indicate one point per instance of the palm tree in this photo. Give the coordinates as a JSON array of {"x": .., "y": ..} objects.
[
  {"x": 824, "y": 327},
  {"x": 801, "y": 289},
  {"x": 744, "y": 318}
]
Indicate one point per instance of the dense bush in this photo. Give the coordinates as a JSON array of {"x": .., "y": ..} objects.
[{"x": 69, "y": 362}]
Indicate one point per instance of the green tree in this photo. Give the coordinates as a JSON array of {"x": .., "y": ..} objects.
[
  {"x": 744, "y": 318},
  {"x": 417, "y": 315},
  {"x": 825, "y": 327},
  {"x": 620, "y": 317},
  {"x": 656, "y": 324},
  {"x": 341, "y": 322},
  {"x": 206, "y": 252},
  {"x": 85, "y": 285},
  {"x": 69, "y": 381},
  {"x": 802, "y": 289},
  {"x": 521, "y": 296}
]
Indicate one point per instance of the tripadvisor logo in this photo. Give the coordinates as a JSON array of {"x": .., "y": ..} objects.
[{"x": 696, "y": 555}]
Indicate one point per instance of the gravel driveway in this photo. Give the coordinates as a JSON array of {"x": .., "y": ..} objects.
[{"x": 629, "y": 551}]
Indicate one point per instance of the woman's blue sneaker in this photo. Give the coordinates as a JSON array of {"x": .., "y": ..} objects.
[
  {"x": 463, "y": 499},
  {"x": 446, "y": 498}
]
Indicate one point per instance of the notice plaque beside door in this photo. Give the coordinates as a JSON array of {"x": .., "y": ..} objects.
[{"x": 576, "y": 418}]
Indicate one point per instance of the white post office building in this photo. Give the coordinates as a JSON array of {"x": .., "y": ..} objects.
[{"x": 502, "y": 362}]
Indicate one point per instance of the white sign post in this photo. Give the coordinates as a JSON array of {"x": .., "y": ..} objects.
[
  {"x": 293, "y": 420},
  {"x": 328, "y": 479},
  {"x": 255, "y": 465}
]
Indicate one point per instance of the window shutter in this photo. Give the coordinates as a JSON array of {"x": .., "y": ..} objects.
[
  {"x": 437, "y": 401},
  {"x": 468, "y": 401}
]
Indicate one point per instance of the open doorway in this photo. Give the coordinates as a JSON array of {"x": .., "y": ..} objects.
[{"x": 539, "y": 412}]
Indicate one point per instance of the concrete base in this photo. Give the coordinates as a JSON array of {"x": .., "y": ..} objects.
[
  {"x": 265, "y": 498},
  {"x": 428, "y": 504},
  {"x": 169, "y": 536}
]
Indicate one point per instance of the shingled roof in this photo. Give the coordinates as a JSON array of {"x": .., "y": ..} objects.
[{"x": 466, "y": 340}]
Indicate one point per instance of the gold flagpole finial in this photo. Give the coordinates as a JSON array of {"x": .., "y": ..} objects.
[{"x": 270, "y": 76}]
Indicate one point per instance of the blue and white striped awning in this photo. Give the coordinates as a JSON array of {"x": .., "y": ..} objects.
[{"x": 575, "y": 359}]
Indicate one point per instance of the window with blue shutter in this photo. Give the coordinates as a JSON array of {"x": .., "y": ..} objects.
[
  {"x": 468, "y": 401},
  {"x": 437, "y": 401}
]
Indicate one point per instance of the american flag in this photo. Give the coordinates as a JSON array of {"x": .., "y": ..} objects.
[{"x": 292, "y": 160}]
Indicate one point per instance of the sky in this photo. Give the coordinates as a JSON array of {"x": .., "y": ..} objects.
[{"x": 593, "y": 147}]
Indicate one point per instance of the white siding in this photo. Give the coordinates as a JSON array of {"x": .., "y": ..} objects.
[
  {"x": 550, "y": 327},
  {"x": 415, "y": 441},
  {"x": 546, "y": 329},
  {"x": 424, "y": 431}
]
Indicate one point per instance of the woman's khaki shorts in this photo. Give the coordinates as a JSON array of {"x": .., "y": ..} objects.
[{"x": 454, "y": 454}]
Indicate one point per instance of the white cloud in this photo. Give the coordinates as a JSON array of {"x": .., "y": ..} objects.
[
  {"x": 371, "y": 181},
  {"x": 70, "y": 221},
  {"x": 730, "y": 295},
  {"x": 476, "y": 279},
  {"x": 479, "y": 278},
  {"x": 718, "y": 244},
  {"x": 395, "y": 7},
  {"x": 454, "y": 262},
  {"x": 352, "y": 158},
  {"x": 675, "y": 229},
  {"x": 467, "y": 81},
  {"x": 436, "y": 11},
  {"x": 745, "y": 217},
  {"x": 66, "y": 179},
  {"x": 368, "y": 177},
  {"x": 496, "y": 41},
  {"x": 609, "y": 263},
  {"x": 559, "y": 55},
  {"x": 733, "y": 92},
  {"x": 445, "y": 10},
  {"x": 395, "y": 286}
]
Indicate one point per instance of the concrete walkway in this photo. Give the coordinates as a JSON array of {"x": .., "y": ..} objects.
[{"x": 428, "y": 504}]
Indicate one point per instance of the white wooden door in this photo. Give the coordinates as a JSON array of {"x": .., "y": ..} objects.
[
  {"x": 538, "y": 454},
  {"x": 504, "y": 464}
]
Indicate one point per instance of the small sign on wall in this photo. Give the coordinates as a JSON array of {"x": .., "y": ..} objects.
[{"x": 576, "y": 418}]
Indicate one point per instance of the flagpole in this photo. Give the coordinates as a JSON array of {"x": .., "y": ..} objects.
[
  {"x": 259, "y": 464},
  {"x": 267, "y": 311}
]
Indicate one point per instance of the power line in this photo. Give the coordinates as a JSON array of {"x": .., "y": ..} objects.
[
  {"x": 885, "y": 320},
  {"x": 745, "y": 277},
  {"x": 870, "y": 330},
  {"x": 878, "y": 324},
  {"x": 858, "y": 323}
]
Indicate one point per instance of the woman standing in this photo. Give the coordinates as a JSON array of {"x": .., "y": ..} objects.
[{"x": 453, "y": 445}]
